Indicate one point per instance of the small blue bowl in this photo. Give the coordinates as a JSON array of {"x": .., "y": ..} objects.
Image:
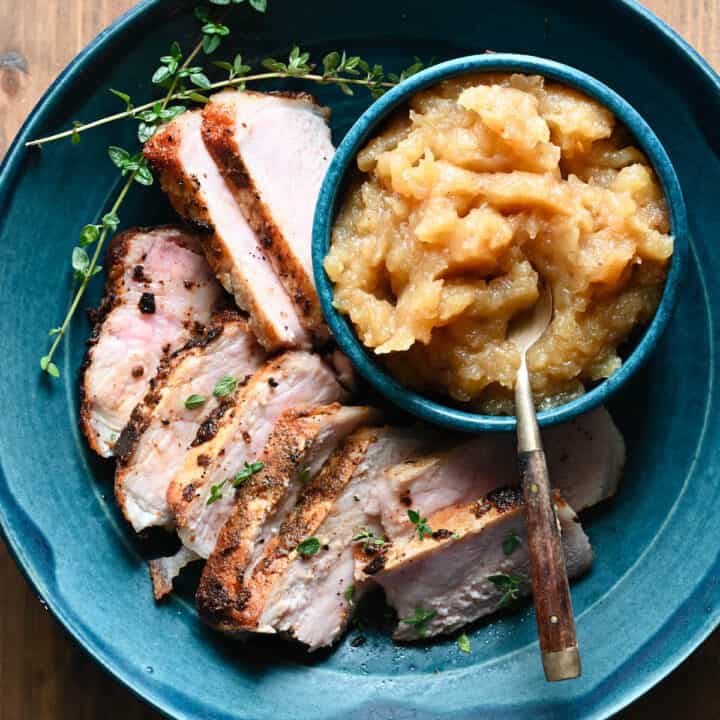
[{"x": 344, "y": 159}]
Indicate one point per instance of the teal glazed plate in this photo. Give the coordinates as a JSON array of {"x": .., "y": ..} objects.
[{"x": 653, "y": 593}]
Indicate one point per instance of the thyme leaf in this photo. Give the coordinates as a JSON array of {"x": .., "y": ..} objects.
[
  {"x": 216, "y": 492},
  {"x": 420, "y": 523},
  {"x": 225, "y": 386},
  {"x": 509, "y": 585},
  {"x": 463, "y": 643},
  {"x": 308, "y": 547},
  {"x": 511, "y": 543},
  {"x": 420, "y": 620},
  {"x": 192, "y": 402},
  {"x": 369, "y": 540},
  {"x": 247, "y": 472}
]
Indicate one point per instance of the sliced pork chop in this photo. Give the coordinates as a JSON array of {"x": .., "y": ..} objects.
[
  {"x": 159, "y": 292},
  {"x": 308, "y": 596},
  {"x": 585, "y": 459},
  {"x": 152, "y": 446},
  {"x": 235, "y": 435},
  {"x": 300, "y": 444},
  {"x": 442, "y": 582},
  {"x": 274, "y": 150},
  {"x": 164, "y": 570},
  {"x": 198, "y": 192}
]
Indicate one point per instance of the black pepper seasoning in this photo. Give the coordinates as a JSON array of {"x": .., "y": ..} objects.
[{"x": 147, "y": 303}]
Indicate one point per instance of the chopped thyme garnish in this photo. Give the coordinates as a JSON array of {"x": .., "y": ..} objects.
[
  {"x": 463, "y": 643},
  {"x": 247, "y": 472},
  {"x": 511, "y": 543},
  {"x": 308, "y": 547},
  {"x": 349, "y": 593},
  {"x": 423, "y": 529},
  {"x": 192, "y": 402},
  {"x": 216, "y": 492},
  {"x": 510, "y": 586},
  {"x": 369, "y": 540},
  {"x": 304, "y": 474},
  {"x": 420, "y": 619},
  {"x": 225, "y": 386}
]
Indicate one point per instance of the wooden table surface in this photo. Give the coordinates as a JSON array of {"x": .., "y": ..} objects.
[{"x": 43, "y": 674}]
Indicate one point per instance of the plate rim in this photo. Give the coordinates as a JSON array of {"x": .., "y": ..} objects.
[{"x": 9, "y": 169}]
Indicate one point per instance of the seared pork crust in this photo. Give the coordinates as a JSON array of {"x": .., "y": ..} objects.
[
  {"x": 116, "y": 267},
  {"x": 115, "y": 270},
  {"x": 220, "y": 141},
  {"x": 451, "y": 575},
  {"x": 153, "y": 444},
  {"x": 292, "y": 380},
  {"x": 164, "y": 570},
  {"x": 129, "y": 437},
  {"x": 183, "y": 191},
  {"x": 222, "y": 599}
]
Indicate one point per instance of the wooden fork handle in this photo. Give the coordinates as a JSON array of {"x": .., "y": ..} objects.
[{"x": 553, "y": 606}]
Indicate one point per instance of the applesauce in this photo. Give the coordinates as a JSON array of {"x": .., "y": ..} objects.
[{"x": 468, "y": 197}]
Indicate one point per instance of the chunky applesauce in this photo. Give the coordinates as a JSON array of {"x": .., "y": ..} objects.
[{"x": 462, "y": 202}]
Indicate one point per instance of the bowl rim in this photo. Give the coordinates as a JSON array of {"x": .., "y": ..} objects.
[{"x": 420, "y": 405}]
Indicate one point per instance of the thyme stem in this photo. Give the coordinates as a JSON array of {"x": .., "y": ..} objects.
[
  {"x": 214, "y": 86},
  {"x": 86, "y": 279},
  {"x": 105, "y": 230}
]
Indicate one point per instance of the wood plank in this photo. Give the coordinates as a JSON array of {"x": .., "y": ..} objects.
[{"x": 43, "y": 674}]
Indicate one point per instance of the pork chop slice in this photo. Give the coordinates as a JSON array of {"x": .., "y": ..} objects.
[
  {"x": 474, "y": 563},
  {"x": 273, "y": 150},
  {"x": 152, "y": 446},
  {"x": 198, "y": 192},
  {"x": 303, "y": 585},
  {"x": 298, "y": 447},
  {"x": 233, "y": 438},
  {"x": 164, "y": 570},
  {"x": 585, "y": 460},
  {"x": 159, "y": 292}
]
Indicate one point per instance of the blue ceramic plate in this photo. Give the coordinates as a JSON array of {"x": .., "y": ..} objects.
[{"x": 652, "y": 595}]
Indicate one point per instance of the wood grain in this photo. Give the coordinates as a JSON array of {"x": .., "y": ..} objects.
[
  {"x": 43, "y": 674},
  {"x": 551, "y": 589}
]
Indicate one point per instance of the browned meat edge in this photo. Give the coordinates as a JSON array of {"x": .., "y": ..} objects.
[
  {"x": 115, "y": 268},
  {"x": 140, "y": 417},
  {"x": 181, "y": 499},
  {"x": 222, "y": 599},
  {"x": 217, "y": 131},
  {"x": 162, "y": 153},
  {"x": 282, "y": 453},
  {"x": 500, "y": 501},
  {"x": 130, "y": 436},
  {"x": 161, "y": 582}
]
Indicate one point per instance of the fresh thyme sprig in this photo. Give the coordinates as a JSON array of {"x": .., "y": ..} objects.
[
  {"x": 509, "y": 585},
  {"x": 420, "y": 523},
  {"x": 182, "y": 81},
  {"x": 85, "y": 267},
  {"x": 370, "y": 541},
  {"x": 250, "y": 469},
  {"x": 136, "y": 169},
  {"x": 337, "y": 69}
]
